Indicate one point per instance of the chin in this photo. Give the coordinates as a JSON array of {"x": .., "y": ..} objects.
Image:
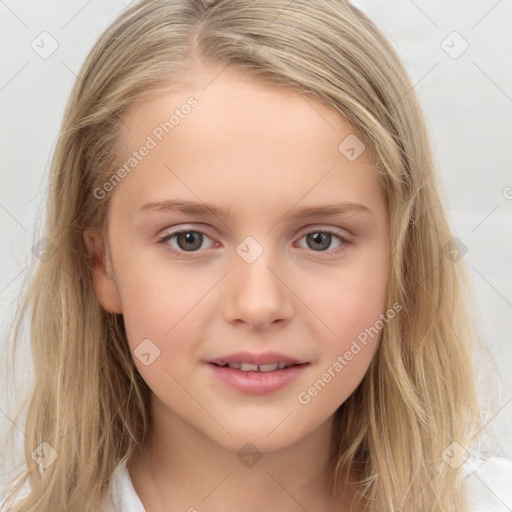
[{"x": 258, "y": 440}]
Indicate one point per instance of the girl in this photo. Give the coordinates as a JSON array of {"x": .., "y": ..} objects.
[{"x": 198, "y": 345}]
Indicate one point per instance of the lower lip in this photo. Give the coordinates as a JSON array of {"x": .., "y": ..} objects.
[{"x": 257, "y": 383}]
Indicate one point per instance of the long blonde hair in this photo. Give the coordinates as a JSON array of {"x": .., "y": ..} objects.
[{"x": 88, "y": 401}]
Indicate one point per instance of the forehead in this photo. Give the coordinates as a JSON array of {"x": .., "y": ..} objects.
[{"x": 242, "y": 139}]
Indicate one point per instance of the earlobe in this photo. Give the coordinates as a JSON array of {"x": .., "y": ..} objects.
[{"x": 104, "y": 283}]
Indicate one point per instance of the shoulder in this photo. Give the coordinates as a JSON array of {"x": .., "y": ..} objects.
[
  {"x": 121, "y": 495},
  {"x": 488, "y": 483}
]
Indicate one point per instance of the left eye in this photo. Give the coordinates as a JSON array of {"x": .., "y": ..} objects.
[
  {"x": 189, "y": 241},
  {"x": 322, "y": 239}
]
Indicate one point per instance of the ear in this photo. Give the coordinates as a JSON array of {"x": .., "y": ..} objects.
[{"x": 104, "y": 284}]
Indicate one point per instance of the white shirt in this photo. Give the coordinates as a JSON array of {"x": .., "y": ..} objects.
[{"x": 487, "y": 482}]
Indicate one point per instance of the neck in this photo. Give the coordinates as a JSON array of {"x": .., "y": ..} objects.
[{"x": 178, "y": 468}]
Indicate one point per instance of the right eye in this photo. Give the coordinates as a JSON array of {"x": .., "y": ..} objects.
[{"x": 186, "y": 240}]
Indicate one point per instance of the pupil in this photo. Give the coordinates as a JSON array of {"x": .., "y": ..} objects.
[
  {"x": 188, "y": 238},
  {"x": 318, "y": 238}
]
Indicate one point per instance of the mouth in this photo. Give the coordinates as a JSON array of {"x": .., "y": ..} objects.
[
  {"x": 265, "y": 368},
  {"x": 256, "y": 379}
]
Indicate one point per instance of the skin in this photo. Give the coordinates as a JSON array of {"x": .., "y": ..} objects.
[{"x": 263, "y": 152}]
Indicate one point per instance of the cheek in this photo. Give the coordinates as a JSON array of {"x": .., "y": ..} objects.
[
  {"x": 155, "y": 292},
  {"x": 349, "y": 298},
  {"x": 165, "y": 309},
  {"x": 350, "y": 301},
  {"x": 162, "y": 335},
  {"x": 353, "y": 309}
]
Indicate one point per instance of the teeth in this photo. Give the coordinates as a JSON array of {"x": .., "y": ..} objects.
[
  {"x": 268, "y": 367},
  {"x": 249, "y": 367}
]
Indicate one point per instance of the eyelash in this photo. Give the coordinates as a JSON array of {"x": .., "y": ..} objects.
[{"x": 190, "y": 254}]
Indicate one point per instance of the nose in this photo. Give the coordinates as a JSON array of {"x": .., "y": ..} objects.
[{"x": 256, "y": 294}]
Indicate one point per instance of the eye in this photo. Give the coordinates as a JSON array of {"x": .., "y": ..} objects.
[
  {"x": 187, "y": 240},
  {"x": 320, "y": 240}
]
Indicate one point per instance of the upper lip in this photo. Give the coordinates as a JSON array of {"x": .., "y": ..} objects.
[{"x": 252, "y": 358}]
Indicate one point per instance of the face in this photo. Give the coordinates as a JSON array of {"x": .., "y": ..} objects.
[{"x": 263, "y": 271}]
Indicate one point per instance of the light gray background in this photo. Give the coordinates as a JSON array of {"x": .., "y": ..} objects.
[{"x": 467, "y": 101}]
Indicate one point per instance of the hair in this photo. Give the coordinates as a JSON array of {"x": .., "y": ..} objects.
[{"x": 88, "y": 400}]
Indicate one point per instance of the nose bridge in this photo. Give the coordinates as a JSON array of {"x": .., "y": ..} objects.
[
  {"x": 257, "y": 295},
  {"x": 253, "y": 264}
]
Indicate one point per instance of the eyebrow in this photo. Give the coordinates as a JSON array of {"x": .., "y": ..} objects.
[{"x": 207, "y": 209}]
